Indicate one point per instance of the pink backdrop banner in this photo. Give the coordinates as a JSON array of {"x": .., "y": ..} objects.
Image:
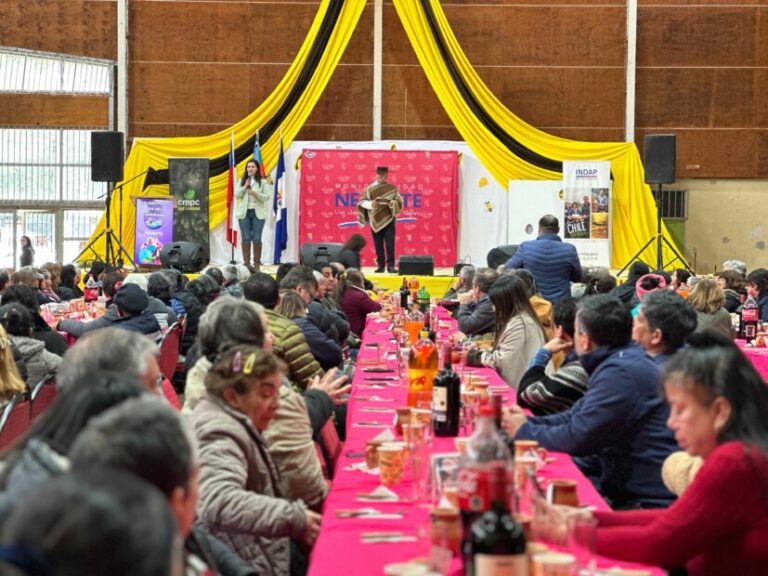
[{"x": 332, "y": 182}]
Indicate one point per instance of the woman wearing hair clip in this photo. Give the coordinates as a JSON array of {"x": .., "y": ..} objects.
[{"x": 240, "y": 499}]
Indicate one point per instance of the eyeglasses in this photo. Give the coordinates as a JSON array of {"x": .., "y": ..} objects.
[{"x": 159, "y": 382}]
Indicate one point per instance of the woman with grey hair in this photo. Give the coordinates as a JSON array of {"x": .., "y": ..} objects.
[
  {"x": 231, "y": 281},
  {"x": 228, "y": 323},
  {"x": 240, "y": 497}
]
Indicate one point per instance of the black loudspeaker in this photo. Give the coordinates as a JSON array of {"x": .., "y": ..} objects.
[
  {"x": 107, "y": 155},
  {"x": 499, "y": 255},
  {"x": 310, "y": 253},
  {"x": 184, "y": 256},
  {"x": 417, "y": 265},
  {"x": 660, "y": 156}
]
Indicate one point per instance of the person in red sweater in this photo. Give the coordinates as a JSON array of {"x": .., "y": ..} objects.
[
  {"x": 719, "y": 525},
  {"x": 354, "y": 300}
]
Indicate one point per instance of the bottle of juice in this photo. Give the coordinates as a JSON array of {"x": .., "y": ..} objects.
[
  {"x": 422, "y": 369},
  {"x": 413, "y": 286}
]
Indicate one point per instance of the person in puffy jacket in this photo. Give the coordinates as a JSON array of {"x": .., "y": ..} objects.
[{"x": 18, "y": 324}]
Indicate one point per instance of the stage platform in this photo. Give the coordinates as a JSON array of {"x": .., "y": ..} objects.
[{"x": 436, "y": 285}]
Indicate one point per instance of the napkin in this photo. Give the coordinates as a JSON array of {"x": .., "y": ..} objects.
[
  {"x": 373, "y": 398},
  {"x": 362, "y": 467},
  {"x": 369, "y": 513},
  {"x": 385, "y": 436},
  {"x": 380, "y": 494}
]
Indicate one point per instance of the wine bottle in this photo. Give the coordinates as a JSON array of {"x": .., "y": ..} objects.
[
  {"x": 497, "y": 543},
  {"x": 404, "y": 293},
  {"x": 446, "y": 399}
]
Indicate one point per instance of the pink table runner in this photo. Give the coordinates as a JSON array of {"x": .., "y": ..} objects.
[
  {"x": 339, "y": 549},
  {"x": 758, "y": 357}
]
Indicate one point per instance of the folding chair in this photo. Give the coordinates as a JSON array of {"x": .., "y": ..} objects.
[
  {"x": 43, "y": 394},
  {"x": 15, "y": 420},
  {"x": 169, "y": 350}
]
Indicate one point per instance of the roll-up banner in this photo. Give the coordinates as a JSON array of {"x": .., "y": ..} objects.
[{"x": 188, "y": 179}]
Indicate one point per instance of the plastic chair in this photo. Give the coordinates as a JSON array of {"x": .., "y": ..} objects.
[
  {"x": 43, "y": 394},
  {"x": 169, "y": 350},
  {"x": 15, "y": 420}
]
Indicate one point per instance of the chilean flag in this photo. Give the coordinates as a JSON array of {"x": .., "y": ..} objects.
[{"x": 231, "y": 179}]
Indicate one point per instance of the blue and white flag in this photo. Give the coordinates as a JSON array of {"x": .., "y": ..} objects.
[{"x": 278, "y": 208}]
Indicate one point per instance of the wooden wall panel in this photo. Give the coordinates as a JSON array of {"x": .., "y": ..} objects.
[
  {"x": 696, "y": 36},
  {"x": 563, "y": 36},
  {"x": 708, "y": 153},
  {"x": 185, "y": 93},
  {"x": 79, "y": 27},
  {"x": 564, "y": 97},
  {"x": 50, "y": 110},
  {"x": 762, "y": 154},
  {"x": 218, "y": 32},
  {"x": 422, "y": 106},
  {"x": 335, "y": 132},
  {"x": 762, "y": 35},
  {"x": 696, "y": 97},
  {"x": 761, "y": 101}
]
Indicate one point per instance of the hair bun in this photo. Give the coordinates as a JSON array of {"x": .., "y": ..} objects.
[{"x": 709, "y": 339}]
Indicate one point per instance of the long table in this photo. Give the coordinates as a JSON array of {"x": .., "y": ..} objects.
[
  {"x": 339, "y": 549},
  {"x": 758, "y": 357}
]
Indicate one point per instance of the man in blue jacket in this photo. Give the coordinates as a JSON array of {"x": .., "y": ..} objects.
[
  {"x": 553, "y": 263},
  {"x": 662, "y": 325},
  {"x": 620, "y": 423}
]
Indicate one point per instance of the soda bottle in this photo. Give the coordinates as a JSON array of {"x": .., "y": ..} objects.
[
  {"x": 422, "y": 297},
  {"x": 413, "y": 286},
  {"x": 748, "y": 317},
  {"x": 484, "y": 448},
  {"x": 446, "y": 399},
  {"x": 422, "y": 369},
  {"x": 91, "y": 292}
]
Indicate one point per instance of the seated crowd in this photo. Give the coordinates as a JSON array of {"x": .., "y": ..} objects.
[{"x": 640, "y": 382}]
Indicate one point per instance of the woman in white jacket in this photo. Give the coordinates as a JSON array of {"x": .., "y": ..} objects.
[
  {"x": 252, "y": 194},
  {"x": 518, "y": 332}
]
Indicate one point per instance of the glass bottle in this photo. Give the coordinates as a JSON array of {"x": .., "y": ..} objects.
[
  {"x": 497, "y": 545},
  {"x": 446, "y": 398},
  {"x": 422, "y": 369}
]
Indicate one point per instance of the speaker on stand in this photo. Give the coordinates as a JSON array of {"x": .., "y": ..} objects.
[
  {"x": 659, "y": 159},
  {"x": 107, "y": 156}
]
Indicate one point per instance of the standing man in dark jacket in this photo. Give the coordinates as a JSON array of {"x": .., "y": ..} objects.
[
  {"x": 553, "y": 263},
  {"x": 476, "y": 315},
  {"x": 620, "y": 422}
]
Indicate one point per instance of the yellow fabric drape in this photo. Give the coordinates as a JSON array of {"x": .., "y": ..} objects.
[
  {"x": 154, "y": 153},
  {"x": 634, "y": 210}
]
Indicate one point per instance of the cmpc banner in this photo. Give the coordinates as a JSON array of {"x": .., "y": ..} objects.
[
  {"x": 189, "y": 187},
  {"x": 332, "y": 182}
]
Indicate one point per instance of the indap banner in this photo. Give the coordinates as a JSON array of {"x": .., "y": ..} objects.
[{"x": 332, "y": 182}]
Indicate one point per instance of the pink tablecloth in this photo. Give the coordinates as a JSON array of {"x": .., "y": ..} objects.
[
  {"x": 339, "y": 549},
  {"x": 758, "y": 357}
]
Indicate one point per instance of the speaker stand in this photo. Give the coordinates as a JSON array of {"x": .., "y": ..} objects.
[
  {"x": 113, "y": 247},
  {"x": 660, "y": 241}
]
